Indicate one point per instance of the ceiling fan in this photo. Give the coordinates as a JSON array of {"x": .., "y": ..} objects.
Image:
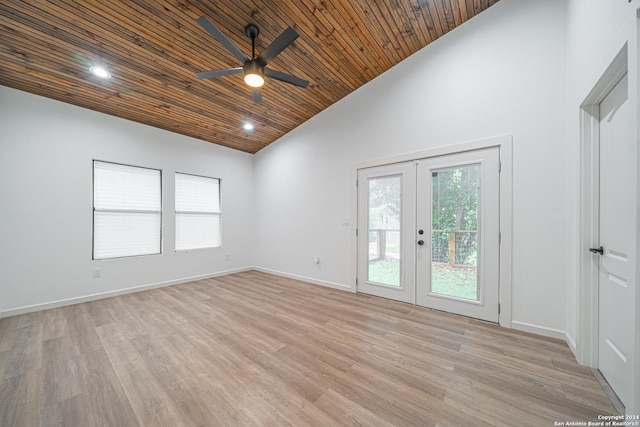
[{"x": 254, "y": 68}]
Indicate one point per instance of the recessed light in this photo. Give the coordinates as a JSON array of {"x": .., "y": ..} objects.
[
  {"x": 248, "y": 126},
  {"x": 100, "y": 71}
]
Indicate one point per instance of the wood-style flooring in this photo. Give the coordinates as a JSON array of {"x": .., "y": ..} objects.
[{"x": 257, "y": 349}]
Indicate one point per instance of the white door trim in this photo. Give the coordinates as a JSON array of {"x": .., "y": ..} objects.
[
  {"x": 505, "y": 144},
  {"x": 587, "y": 321}
]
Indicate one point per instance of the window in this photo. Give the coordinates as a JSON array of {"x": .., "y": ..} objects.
[
  {"x": 127, "y": 211},
  {"x": 197, "y": 212}
]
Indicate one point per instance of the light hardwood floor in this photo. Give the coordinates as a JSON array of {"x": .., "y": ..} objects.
[{"x": 257, "y": 349}]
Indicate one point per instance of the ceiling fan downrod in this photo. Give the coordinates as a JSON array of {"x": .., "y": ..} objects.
[{"x": 253, "y": 32}]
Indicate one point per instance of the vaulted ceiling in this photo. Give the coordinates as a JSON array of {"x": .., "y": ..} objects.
[{"x": 153, "y": 49}]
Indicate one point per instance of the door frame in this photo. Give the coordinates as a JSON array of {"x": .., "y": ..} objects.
[
  {"x": 626, "y": 60},
  {"x": 505, "y": 145},
  {"x": 586, "y": 346}
]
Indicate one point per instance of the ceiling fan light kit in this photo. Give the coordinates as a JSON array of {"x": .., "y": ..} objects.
[
  {"x": 253, "y": 73},
  {"x": 254, "y": 68}
]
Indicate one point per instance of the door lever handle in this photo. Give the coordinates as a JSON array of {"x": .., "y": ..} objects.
[{"x": 599, "y": 250}]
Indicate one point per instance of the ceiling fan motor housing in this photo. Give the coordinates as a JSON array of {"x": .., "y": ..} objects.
[{"x": 252, "y": 66}]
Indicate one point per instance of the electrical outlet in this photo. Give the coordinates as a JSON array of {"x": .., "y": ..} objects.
[
  {"x": 97, "y": 272},
  {"x": 317, "y": 260}
]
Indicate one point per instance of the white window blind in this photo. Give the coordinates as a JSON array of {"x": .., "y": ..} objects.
[
  {"x": 198, "y": 222},
  {"x": 127, "y": 211}
]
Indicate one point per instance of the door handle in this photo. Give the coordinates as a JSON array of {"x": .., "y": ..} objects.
[
  {"x": 421, "y": 242},
  {"x": 599, "y": 250}
]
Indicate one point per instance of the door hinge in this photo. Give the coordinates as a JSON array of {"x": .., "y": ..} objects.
[
  {"x": 499, "y": 236},
  {"x": 356, "y": 281},
  {"x": 498, "y": 307},
  {"x": 499, "y": 166},
  {"x": 356, "y": 232}
]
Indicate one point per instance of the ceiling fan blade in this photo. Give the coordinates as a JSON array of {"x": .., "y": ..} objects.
[
  {"x": 256, "y": 95},
  {"x": 221, "y": 37},
  {"x": 278, "y": 45},
  {"x": 285, "y": 77},
  {"x": 219, "y": 73}
]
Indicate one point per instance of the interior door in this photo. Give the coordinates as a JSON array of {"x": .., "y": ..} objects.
[
  {"x": 386, "y": 226},
  {"x": 616, "y": 291},
  {"x": 458, "y": 222}
]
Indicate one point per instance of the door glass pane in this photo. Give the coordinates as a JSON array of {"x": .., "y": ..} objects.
[
  {"x": 454, "y": 232},
  {"x": 385, "y": 204}
]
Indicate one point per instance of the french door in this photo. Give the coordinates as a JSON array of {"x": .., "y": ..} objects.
[
  {"x": 428, "y": 232},
  {"x": 458, "y": 209},
  {"x": 386, "y": 227}
]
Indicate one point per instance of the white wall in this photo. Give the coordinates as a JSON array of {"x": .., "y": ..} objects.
[
  {"x": 503, "y": 72},
  {"x": 596, "y": 32},
  {"x": 46, "y": 153}
]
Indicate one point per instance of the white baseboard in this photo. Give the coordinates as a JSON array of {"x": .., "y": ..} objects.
[
  {"x": 571, "y": 343},
  {"x": 101, "y": 295},
  {"x": 539, "y": 330},
  {"x": 306, "y": 279}
]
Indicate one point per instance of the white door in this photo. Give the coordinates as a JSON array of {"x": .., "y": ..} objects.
[
  {"x": 458, "y": 221},
  {"x": 616, "y": 292},
  {"x": 428, "y": 232},
  {"x": 386, "y": 226}
]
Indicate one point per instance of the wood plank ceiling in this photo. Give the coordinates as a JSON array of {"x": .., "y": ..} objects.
[{"x": 153, "y": 49}]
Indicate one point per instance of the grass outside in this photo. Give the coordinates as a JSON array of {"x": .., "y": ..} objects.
[
  {"x": 456, "y": 282},
  {"x": 385, "y": 271},
  {"x": 446, "y": 280}
]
